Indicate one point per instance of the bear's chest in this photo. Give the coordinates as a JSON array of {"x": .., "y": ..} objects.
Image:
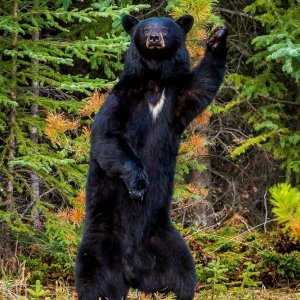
[
  {"x": 152, "y": 112},
  {"x": 156, "y": 105},
  {"x": 150, "y": 125},
  {"x": 154, "y": 100}
]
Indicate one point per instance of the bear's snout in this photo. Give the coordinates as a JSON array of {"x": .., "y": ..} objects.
[{"x": 155, "y": 40}]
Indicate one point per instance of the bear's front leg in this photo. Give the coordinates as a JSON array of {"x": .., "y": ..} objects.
[
  {"x": 119, "y": 161},
  {"x": 217, "y": 42},
  {"x": 206, "y": 80},
  {"x": 136, "y": 180},
  {"x": 113, "y": 153}
]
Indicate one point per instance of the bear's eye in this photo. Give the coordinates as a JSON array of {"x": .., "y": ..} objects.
[
  {"x": 164, "y": 30},
  {"x": 147, "y": 30}
]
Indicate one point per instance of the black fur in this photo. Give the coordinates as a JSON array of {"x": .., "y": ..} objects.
[{"x": 129, "y": 240}]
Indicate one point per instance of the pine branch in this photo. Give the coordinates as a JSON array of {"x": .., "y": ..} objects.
[
  {"x": 232, "y": 12},
  {"x": 266, "y": 97}
]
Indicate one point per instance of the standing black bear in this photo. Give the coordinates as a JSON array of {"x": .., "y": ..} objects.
[{"x": 129, "y": 240}]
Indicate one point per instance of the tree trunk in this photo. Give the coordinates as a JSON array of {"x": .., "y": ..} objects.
[
  {"x": 203, "y": 213},
  {"x": 10, "y": 203},
  {"x": 35, "y": 182},
  {"x": 12, "y": 117}
]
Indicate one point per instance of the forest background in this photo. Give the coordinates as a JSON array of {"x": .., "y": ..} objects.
[{"x": 237, "y": 197}]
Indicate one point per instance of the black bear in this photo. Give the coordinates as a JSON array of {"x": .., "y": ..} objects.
[{"x": 129, "y": 240}]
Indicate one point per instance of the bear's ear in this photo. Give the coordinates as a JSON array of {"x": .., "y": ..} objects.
[
  {"x": 129, "y": 22},
  {"x": 186, "y": 23}
]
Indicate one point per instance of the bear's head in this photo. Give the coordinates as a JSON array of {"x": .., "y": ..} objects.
[
  {"x": 157, "y": 37},
  {"x": 157, "y": 49}
]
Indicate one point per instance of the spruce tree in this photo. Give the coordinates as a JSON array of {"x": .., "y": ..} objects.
[
  {"x": 193, "y": 160},
  {"x": 273, "y": 90},
  {"x": 52, "y": 55}
]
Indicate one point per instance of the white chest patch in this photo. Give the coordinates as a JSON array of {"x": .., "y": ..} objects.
[{"x": 157, "y": 108}]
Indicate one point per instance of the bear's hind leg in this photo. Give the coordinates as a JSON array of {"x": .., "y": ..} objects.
[
  {"x": 182, "y": 281},
  {"x": 98, "y": 272},
  {"x": 174, "y": 268}
]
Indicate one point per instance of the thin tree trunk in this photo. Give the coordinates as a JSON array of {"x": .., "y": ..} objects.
[
  {"x": 10, "y": 203},
  {"x": 203, "y": 213},
  {"x": 294, "y": 175},
  {"x": 12, "y": 117},
  {"x": 35, "y": 182}
]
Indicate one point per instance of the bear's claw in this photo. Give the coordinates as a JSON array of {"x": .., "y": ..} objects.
[
  {"x": 218, "y": 38},
  {"x": 137, "y": 184}
]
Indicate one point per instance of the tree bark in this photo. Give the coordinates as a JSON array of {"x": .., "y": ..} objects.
[
  {"x": 203, "y": 213},
  {"x": 5, "y": 245},
  {"x": 35, "y": 182},
  {"x": 12, "y": 117}
]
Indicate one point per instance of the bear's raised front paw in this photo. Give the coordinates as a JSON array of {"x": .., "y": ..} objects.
[
  {"x": 137, "y": 184},
  {"x": 217, "y": 41}
]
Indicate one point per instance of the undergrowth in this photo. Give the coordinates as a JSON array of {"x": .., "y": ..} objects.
[{"x": 233, "y": 262}]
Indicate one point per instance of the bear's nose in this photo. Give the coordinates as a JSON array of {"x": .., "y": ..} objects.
[{"x": 154, "y": 38}]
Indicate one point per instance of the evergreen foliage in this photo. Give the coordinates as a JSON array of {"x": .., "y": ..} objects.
[
  {"x": 272, "y": 91},
  {"x": 58, "y": 60},
  {"x": 52, "y": 54},
  {"x": 193, "y": 144}
]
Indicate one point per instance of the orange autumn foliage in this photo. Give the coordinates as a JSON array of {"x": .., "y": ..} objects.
[
  {"x": 193, "y": 189},
  {"x": 57, "y": 124},
  {"x": 198, "y": 144},
  {"x": 197, "y": 191},
  {"x": 196, "y": 52},
  {"x": 202, "y": 12},
  {"x": 92, "y": 104},
  {"x": 80, "y": 198},
  {"x": 64, "y": 215},
  {"x": 75, "y": 214},
  {"x": 204, "y": 118},
  {"x": 200, "y": 33},
  {"x": 195, "y": 145},
  {"x": 295, "y": 227},
  {"x": 86, "y": 132}
]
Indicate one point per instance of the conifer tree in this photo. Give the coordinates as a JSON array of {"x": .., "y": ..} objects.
[
  {"x": 52, "y": 54},
  {"x": 273, "y": 89},
  {"x": 193, "y": 161}
]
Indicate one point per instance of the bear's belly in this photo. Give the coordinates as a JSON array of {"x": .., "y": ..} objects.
[
  {"x": 156, "y": 144},
  {"x": 153, "y": 139},
  {"x": 157, "y": 151}
]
